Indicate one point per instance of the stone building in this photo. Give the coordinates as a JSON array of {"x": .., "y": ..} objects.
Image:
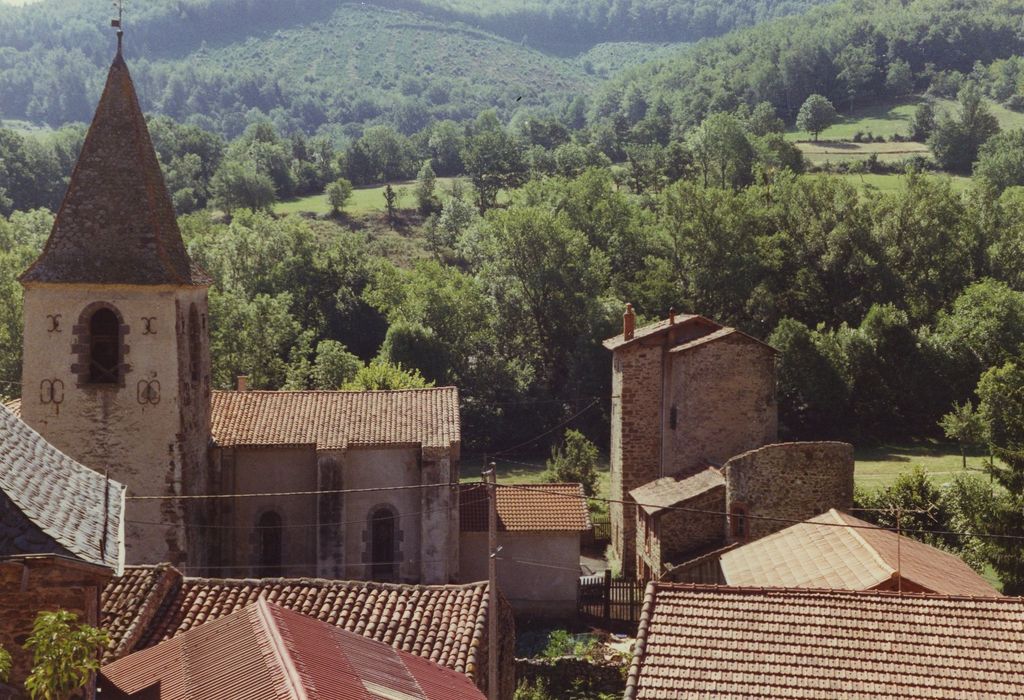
[
  {"x": 753, "y": 495},
  {"x": 61, "y": 538},
  {"x": 692, "y": 425},
  {"x": 686, "y": 392},
  {"x": 117, "y": 375}
]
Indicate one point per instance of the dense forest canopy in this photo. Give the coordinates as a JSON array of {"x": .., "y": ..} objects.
[{"x": 310, "y": 64}]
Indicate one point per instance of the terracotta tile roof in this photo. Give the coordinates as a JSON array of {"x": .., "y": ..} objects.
[
  {"x": 825, "y": 552},
  {"x": 335, "y": 420},
  {"x": 669, "y": 491},
  {"x": 720, "y": 334},
  {"x": 526, "y": 508},
  {"x": 445, "y": 624},
  {"x": 267, "y": 652},
  {"x": 652, "y": 329},
  {"x": 78, "y": 510},
  {"x": 732, "y": 643},
  {"x": 116, "y": 224}
]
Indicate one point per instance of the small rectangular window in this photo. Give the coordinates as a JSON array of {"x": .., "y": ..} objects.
[{"x": 672, "y": 418}]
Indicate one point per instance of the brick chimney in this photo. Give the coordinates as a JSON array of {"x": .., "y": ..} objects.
[
  {"x": 243, "y": 382},
  {"x": 672, "y": 316},
  {"x": 628, "y": 323}
]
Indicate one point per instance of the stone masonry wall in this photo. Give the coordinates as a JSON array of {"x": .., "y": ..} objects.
[
  {"x": 635, "y": 438},
  {"x": 793, "y": 481},
  {"x": 723, "y": 393},
  {"x": 683, "y": 534},
  {"x": 29, "y": 586}
]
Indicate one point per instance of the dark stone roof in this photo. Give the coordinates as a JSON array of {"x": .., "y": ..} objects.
[
  {"x": 116, "y": 224},
  {"x": 54, "y": 505}
]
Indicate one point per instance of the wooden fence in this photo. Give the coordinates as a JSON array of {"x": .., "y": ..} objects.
[{"x": 610, "y": 600}]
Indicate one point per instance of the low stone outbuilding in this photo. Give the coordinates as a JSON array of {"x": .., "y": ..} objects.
[
  {"x": 539, "y": 529},
  {"x": 754, "y": 494},
  {"x": 783, "y": 643}
]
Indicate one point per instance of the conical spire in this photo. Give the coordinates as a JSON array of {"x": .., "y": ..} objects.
[{"x": 116, "y": 224}]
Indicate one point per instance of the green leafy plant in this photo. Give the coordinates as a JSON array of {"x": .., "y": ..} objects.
[{"x": 65, "y": 655}]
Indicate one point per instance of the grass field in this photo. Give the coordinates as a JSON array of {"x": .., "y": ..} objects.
[
  {"x": 842, "y": 151},
  {"x": 891, "y": 182},
  {"x": 876, "y": 466},
  {"x": 365, "y": 200},
  {"x": 881, "y": 120}
]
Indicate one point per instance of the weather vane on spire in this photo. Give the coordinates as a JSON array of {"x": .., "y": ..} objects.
[{"x": 117, "y": 23}]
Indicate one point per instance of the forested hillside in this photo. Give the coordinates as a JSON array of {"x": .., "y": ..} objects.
[
  {"x": 850, "y": 52},
  {"x": 311, "y": 64}
]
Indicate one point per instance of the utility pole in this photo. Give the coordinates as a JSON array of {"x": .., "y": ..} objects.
[{"x": 492, "y": 581}]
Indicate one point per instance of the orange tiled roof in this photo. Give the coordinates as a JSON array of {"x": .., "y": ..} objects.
[
  {"x": 335, "y": 420},
  {"x": 822, "y": 553},
  {"x": 526, "y": 508},
  {"x": 267, "y": 652},
  {"x": 446, "y": 624},
  {"x": 669, "y": 491},
  {"x": 732, "y": 643}
]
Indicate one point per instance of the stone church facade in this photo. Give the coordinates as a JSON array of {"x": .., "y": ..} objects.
[{"x": 117, "y": 376}]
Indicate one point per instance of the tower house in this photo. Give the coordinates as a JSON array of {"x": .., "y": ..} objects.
[
  {"x": 687, "y": 393},
  {"x": 116, "y": 354}
]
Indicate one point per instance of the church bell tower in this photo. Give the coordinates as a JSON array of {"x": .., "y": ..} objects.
[{"x": 116, "y": 353}]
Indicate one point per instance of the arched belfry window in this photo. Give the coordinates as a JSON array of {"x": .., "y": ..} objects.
[
  {"x": 383, "y": 542},
  {"x": 269, "y": 545},
  {"x": 194, "y": 344},
  {"x": 104, "y": 347}
]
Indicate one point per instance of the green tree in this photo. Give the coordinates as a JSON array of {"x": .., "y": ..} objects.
[
  {"x": 426, "y": 183},
  {"x": 65, "y": 655},
  {"x": 339, "y": 193},
  {"x": 812, "y": 393},
  {"x": 383, "y": 376},
  {"x": 1000, "y": 161},
  {"x": 964, "y": 425},
  {"x": 237, "y": 186},
  {"x": 722, "y": 152},
  {"x": 391, "y": 204},
  {"x": 1001, "y": 394},
  {"x": 417, "y": 348},
  {"x": 574, "y": 461},
  {"x": 913, "y": 504},
  {"x": 857, "y": 69},
  {"x": 494, "y": 162},
  {"x": 335, "y": 366},
  {"x": 956, "y": 141},
  {"x": 815, "y": 115},
  {"x": 923, "y": 125},
  {"x": 986, "y": 321},
  {"x": 899, "y": 79}
]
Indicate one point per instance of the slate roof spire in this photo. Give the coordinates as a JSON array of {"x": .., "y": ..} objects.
[{"x": 116, "y": 224}]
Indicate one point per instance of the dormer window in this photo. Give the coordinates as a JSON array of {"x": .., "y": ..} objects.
[{"x": 104, "y": 347}]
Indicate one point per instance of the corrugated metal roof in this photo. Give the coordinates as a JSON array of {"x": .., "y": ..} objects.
[
  {"x": 266, "y": 652},
  {"x": 820, "y": 553}
]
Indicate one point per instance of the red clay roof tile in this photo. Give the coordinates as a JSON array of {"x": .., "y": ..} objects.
[
  {"x": 723, "y": 642},
  {"x": 526, "y": 508},
  {"x": 335, "y": 420}
]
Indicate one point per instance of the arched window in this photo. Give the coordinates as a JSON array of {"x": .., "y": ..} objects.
[
  {"x": 269, "y": 545},
  {"x": 382, "y": 543},
  {"x": 104, "y": 347},
  {"x": 194, "y": 342}
]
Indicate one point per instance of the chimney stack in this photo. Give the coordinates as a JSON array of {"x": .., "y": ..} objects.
[
  {"x": 243, "y": 382},
  {"x": 628, "y": 323},
  {"x": 672, "y": 316}
]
